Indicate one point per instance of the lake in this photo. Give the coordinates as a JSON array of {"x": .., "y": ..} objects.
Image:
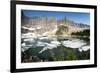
[{"x": 44, "y": 46}]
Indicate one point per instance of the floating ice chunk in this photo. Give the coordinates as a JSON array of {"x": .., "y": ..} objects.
[
  {"x": 29, "y": 35},
  {"x": 55, "y": 42},
  {"x": 73, "y": 43},
  {"x": 38, "y": 27},
  {"x": 42, "y": 38},
  {"x": 23, "y": 44},
  {"x": 45, "y": 48},
  {"x": 40, "y": 43},
  {"x": 45, "y": 33},
  {"x": 25, "y": 47},
  {"x": 80, "y": 49},
  {"x": 84, "y": 48},
  {"x": 50, "y": 46},
  {"x": 28, "y": 39},
  {"x": 31, "y": 28}
]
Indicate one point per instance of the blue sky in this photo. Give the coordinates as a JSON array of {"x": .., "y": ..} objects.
[{"x": 74, "y": 16}]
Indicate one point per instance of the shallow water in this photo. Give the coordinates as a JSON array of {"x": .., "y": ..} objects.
[{"x": 49, "y": 42}]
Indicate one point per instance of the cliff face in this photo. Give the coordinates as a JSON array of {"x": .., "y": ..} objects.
[
  {"x": 40, "y": 25},
  {"x": 50, "y": 25}
]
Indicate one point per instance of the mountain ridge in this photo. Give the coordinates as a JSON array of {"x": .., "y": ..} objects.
[{"x": 43, "y": 24}]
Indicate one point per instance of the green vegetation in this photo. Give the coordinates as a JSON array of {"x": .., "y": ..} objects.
[
  {"x": 60, "y": 53},
  {"x": 82, "y": 33}
]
